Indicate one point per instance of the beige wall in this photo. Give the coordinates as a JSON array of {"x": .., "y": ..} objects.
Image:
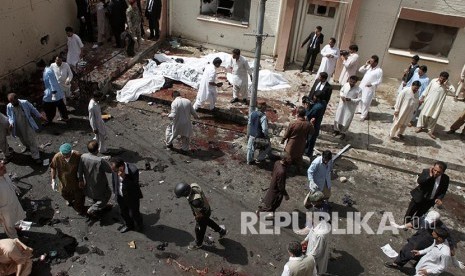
[
  {"x": 183, "y": 22},
  {"x": 23, "y": 23},
  {"x": 377, "y": 22}
]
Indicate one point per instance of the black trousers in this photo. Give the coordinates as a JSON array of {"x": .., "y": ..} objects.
[
  {"x": 417, "y": 209},
  {"x": 201, "y": 227},
  {"x": 86, "y": 30},
  {"x": 117, "y": 30},
  {"x": 50, "y": 109},
  {"x": 129, "y": 210},
  {"x": 154, "y": 26},
  {"x": 414, "y": 243},
  {"x": 310, "y": 56},
  {"x": 311, "y": 143}
]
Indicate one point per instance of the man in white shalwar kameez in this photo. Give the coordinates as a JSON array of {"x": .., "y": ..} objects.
[
  {"x": 181, "y": 125},
  {"x": 241, "y": 71},
  {"x": 372, "y": 78},
  {"x": 330, "y": 54},
  {"x": 351, "y": 95},
  {"x": 74, "y": 47},
  {"x": 404, "y": 110},
  {"x": 96, "y": 123},
  {"x": 460, "y": 93},
  {"x": 4, "y": 132},
  {"x": 64, "y": 76},
  {"x": 22, "y": 125},
  {"x": 433, "y": 99},
  {"x": 318, "y": 245},
  {"x": 10, "y": 208},
  {"x": 349, "y": 64},
  {"x": 207, "y": 88}
]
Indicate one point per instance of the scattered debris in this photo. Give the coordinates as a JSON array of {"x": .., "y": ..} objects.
[
  {"x": 94, "y": 249},
  {"x": 43, "y": 146},
  {"x": 46, "y": 162},
  {"x": 162, "y": 246},
  {"x": 347, "y": 200},
  {"x": 106, "y": 116},
  {"x": 343, "y": 179},
  {"x": 132, "y": 244},
  {"x": 161, "y": 181}
]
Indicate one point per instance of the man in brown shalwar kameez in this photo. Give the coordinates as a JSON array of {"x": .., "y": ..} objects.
[
  {"x": 277, "y": 190},
  {"x": 296, "y": 136},
  {"x": 64, "y": 166}
]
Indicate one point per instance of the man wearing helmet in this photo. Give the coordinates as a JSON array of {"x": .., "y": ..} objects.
[{"x": 201, "y": 211}]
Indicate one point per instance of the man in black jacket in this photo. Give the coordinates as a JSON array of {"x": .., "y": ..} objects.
[
  {"x": 432, "y": 187},
  {"x": 117, "y": 12},
  {"x": 128, "y": 194},
  {"x": 85, "y": 19},
  {"x": 153, "y": 14},
  {"x": 316, "y": 39},
  {"x": 322, "y": 84}
]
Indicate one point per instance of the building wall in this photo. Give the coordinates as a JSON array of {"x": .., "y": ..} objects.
[
  {"x": 24, "y": 23},
  {"x": 183, "y": 22},
  {"x": 376, "y": 25}
]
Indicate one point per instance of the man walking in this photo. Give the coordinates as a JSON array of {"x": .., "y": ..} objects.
[
  {"x": 350, "y": 64},
  {"x": 96, "y": 122},
  {"x": 432, "y": 187},
  {"x": 85, "y": 19},
  {"x": 317, "y": 241},
  {"x": 53, "y": 95},
  {"x": 433, "y": 99},
  {"x": 207, "y": 88},
  {"x": 316, "y": 39},
  {"x": 241, "y": 71},
  {"x": 258, "y": 135},
  {"x": 314, "y": 115},
  {"x": 128, "y": 193},
  {"x": 330, "y": 54},
  {"x": 181, "y": 125},
  {"x": 92, "y": 174},
  {"x": 296, "y": 136},
  {"x": 75, "y": 52},
  {"x": 153, "y": 14},
  {"x": 404, "y": 110},
  {"x": 201, "y": 211},
  {"x": 64, "y": 167},
  {"x": 351, "y": 95},
  {"x": 10, "y": 209},
  {"x": 64, "y": 76},
  {"x": 372, "y": 78},
  {"x": 319, "y": 174},
  {"x": 22, "y": 124},
  {"x": 298, "y": 264},
  {"x": 277, "y": 190}
]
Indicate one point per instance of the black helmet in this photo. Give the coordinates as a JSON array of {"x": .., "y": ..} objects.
[{"x": 182, "y": 190}]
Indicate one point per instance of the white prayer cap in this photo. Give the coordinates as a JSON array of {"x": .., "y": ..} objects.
[{"x": 432, "y": 216}]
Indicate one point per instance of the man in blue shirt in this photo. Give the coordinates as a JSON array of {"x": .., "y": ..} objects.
[
  {"x": 258, "y": 129},
  {"x": 319, "y": 174},
  {"x": 53, "y": 95}
]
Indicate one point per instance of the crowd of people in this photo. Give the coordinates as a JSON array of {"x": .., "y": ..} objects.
[{"x": 77, "y": 176}]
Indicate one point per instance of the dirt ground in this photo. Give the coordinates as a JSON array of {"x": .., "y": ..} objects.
[{"x": 380, "y": 175}]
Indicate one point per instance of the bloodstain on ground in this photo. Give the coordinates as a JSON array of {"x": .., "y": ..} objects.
[{"x": 455, "y": 204}]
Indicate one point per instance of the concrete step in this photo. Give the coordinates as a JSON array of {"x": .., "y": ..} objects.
[{"x": 132, "y": 73}]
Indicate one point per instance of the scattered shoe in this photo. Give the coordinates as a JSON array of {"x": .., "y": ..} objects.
[
  {"x": 391, "y": 265},
  {"x": 125, "y": 229},
  {"x": 235, "y": 100},
  {"x": 450, "y": 131},
  {"x": 194, "y": 246}
]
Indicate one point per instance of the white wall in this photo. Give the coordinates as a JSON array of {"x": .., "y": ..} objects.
[
  {"x": 183, "y": 22},
  {"x": 23, "y": 23},
  {"x": 376, "y": 24}
]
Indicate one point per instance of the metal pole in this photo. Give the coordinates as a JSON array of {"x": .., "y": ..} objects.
[{"x": 258, "y": 52}]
